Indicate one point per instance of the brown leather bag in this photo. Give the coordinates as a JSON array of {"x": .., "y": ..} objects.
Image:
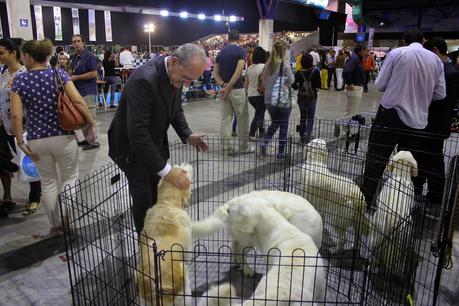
[{"x": 70, "y": 118}]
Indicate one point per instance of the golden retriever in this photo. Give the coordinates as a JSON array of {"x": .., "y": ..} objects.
[{"x": 168, "y": 226}]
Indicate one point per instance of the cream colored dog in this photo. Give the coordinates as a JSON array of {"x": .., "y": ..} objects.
[
  {"x": 169, "y": 226},
  {"x": 395, "y": 203},
  {"x": 293, "y": 208},
  {"x": 296, "y": 277},
  {"x": 334, "y": 196}
]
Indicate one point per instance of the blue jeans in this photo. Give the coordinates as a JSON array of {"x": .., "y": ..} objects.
[
  {"x": 113, "y": 82},
  {"x": 307, "y": 113},
  {"x": 279, "y": 119},
  {"x": 207, "y": 79}
]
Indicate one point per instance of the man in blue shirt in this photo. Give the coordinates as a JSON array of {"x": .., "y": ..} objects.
[
  {"x": 84, "y": 73},
  {"x": 228, "y": 74}
]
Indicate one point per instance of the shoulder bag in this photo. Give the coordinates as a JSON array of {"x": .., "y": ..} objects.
[{"x": 70, "y": 118}]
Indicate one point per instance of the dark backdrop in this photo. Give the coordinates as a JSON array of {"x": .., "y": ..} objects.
[{"x": 127, "y": 28}]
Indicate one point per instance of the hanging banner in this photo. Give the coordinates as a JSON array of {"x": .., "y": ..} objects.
[
  {"x": 108, "y": 26},
  {"x": 39, "y": 22},
  {"x": 1, "y": 29},
  {"x": 92, "y": 25},
  {"x": 57, "y": 23},
  {"x": 371, "y": 38},
  {"x": 75, "y": 21}
]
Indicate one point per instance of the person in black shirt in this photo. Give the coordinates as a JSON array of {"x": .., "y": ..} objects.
[
  {"x": 110, "y": 76},
  {"x": 431, "y": 162},
  {"x": 306, "y": 104}
]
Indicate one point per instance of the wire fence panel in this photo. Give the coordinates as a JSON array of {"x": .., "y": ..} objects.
[{"x": 390, "y": 254}]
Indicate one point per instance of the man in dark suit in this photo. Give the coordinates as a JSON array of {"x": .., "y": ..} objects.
[
  {"x": 431, "y": 164},
  {"x": 150, "y": 102}
]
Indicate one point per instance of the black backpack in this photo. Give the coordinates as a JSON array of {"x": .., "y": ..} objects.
[{"x": 306, "y": 91}]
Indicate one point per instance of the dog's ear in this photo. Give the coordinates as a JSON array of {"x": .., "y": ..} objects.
[
  {"x": 390, "y": 166},
  {"x": 284, "y": 211}
]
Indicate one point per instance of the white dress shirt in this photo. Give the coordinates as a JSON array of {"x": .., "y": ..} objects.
[
  {"x": 411, "y": 77},
  {"x": 315, "y": 58},
  {"x": 126, "y": 58}
]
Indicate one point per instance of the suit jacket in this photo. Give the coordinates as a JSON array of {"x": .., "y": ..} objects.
[
  {"x": 441, "y": 112},
  {"x": 138, "y": 132}
]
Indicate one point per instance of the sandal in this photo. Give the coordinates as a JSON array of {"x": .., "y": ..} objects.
[{"x": 31, "y": 208}]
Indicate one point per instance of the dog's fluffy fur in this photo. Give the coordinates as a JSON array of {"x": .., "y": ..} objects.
[
  {"x": 332, "y": 195},
  {"x": 293, "y": 208},
  {"x": 290, "y": 279},
  {"x": 395, "y": 204},
  {"x": 218, "y": 295},
  {"x": 169, "y": 226}
]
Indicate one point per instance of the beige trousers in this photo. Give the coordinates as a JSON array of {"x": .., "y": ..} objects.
[
  {"x": 236, "y": 102},
  {"x": 58, "y": 159},
  {"x": 354, "y": 97}
]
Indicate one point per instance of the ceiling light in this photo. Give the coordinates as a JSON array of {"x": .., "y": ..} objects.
[
  {"x": 184, "y": 14},
  {"x": 201, "y": 16},
  {"x": 232, "y": 18},
  {"x": 164, "y": 13},
  {"x": 218, "y": 18}
]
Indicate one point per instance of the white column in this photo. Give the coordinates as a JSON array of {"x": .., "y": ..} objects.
[
  {"x": 266, "y": 33},
  {"x": 19, "y": 18}
]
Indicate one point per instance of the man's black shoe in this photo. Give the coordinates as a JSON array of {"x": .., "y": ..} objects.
[
  {"x": 91, "y": 146},
  {"x": 82, "y": 143}
]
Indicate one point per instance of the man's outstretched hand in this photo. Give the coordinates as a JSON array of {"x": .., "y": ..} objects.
[{"x": 198, "y": 141}]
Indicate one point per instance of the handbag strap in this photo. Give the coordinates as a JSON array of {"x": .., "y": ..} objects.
[
  {"x": 58, "y": 80},
  {"x": 281, "y": 73}
]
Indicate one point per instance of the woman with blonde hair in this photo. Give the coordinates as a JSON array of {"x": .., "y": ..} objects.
[
  {"x": 52, "y": 148},
  {"x": 278, "y": 78}
]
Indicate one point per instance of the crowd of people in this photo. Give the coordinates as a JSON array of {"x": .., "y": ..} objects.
[
  {"x": 248, "y": 41},
  {"x": 138, "y": 132}
]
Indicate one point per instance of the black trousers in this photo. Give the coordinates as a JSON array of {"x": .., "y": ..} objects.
[
  {"x": 5, "y": 153},
  {"x": 367, "y": 79},
  {"x": 332, "y": 72},
  {"x": 431, "y": 164},
  {"x": 258, "y": 102},
  {"x": 387, "y": 131},
  {"x": 35, "y": 192},
  {"x": 143, "y": 188}
]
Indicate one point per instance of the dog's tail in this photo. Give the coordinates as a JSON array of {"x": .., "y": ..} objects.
[
  {"x": 145, "y": 272},
  {"x": 219, "y": 295},
  {"x": 211, "y": 224}
]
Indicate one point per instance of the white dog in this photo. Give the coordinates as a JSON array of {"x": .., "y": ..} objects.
[
  {"x": 334, "y": 196},
  {"x": 295, "y": 209},
  {"x": 168, "y": 224},
  {"x": 295, "y": 276},
  {"x": 393, "y": 213}
]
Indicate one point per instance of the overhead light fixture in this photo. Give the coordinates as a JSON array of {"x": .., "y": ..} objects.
[
  {"x": 218, "y": 18},
  {"x": 201, "y": 16},
  {"x": 164, "y": 13},
  {"x": 149, "y": 27},
  {"x": 381, "y": 23},
  {"x": 232, "y": 18},
  {"x": 184, "y": 14}
]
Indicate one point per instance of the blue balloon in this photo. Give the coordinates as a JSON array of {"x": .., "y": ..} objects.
[{"x": 29, "y": 167}]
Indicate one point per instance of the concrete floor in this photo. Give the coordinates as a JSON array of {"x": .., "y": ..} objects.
[{"x": 29, "y": 278}]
